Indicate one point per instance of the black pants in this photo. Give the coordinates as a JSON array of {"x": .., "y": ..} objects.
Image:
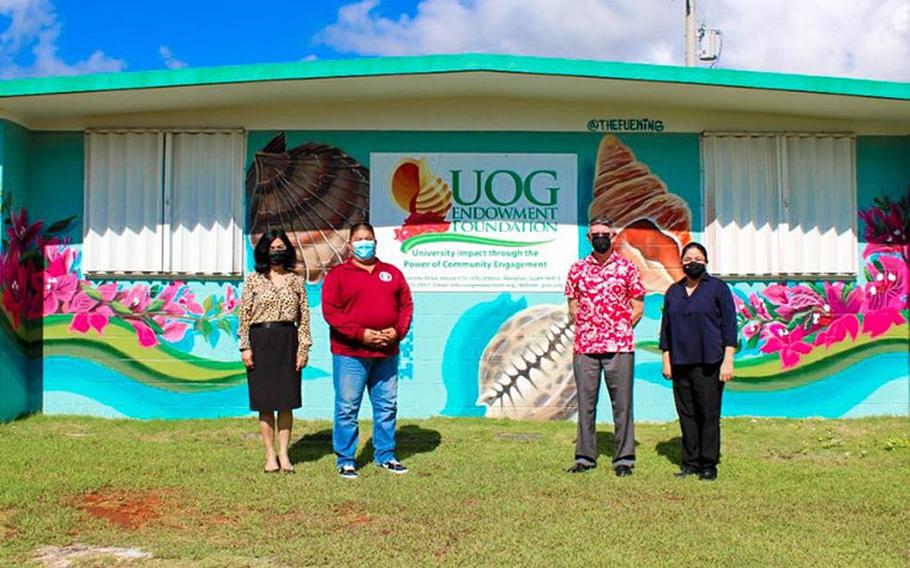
[{"x": 697, "y": 390}]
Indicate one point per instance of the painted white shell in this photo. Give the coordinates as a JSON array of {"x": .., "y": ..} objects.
[{"x": 526, "y": 369}]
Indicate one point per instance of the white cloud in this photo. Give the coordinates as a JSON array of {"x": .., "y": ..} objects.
[
  {"x": 310, "y": 57},
  {"x": 34, "y": 29},
  {"x": 169, "y": 60},
  {"x": 860, "y": 38}
]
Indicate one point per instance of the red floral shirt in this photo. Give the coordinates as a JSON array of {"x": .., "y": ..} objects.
[{"x": 604, "y": 292}]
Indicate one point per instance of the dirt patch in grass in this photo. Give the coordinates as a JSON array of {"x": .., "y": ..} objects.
[
  {"x": 7, "y": 531},
  {"x": 819, "y": 457},
  {"x": 519, "y": 436},
  {"x": 352, "y": 513},
  {"x": 126, "y": 509},
  {"x": 82, "y": 555}
]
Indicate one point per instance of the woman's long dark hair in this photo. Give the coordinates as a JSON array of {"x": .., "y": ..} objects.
[{"x": 261, "y": 253}]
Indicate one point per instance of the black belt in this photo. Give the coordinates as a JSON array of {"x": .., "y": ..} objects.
[{"x": 271, "y": 324}]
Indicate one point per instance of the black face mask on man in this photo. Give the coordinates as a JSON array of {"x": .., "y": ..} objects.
[
  {"x": 601, "y": 243},
  {"x": 694, "y": 269},
  {"x": 277, "y": 256}
]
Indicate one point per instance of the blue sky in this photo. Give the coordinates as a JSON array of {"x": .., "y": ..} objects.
[
  {"x": 855, "y": 38},
  {"x": 201, "y": 32}
]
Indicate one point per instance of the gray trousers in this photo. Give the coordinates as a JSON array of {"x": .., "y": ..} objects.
[{"x": 617, "y": 369}]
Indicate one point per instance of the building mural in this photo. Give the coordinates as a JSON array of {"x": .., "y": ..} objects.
[
  {"x": 167, "y": 349},
  {"x": 315, "y": 193}
]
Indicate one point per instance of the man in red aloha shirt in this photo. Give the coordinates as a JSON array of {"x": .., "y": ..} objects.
[{"x": 606, "y": 300}]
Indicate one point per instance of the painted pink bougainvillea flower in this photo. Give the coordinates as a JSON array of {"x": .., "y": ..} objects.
[{"x": 40, "y": 276}]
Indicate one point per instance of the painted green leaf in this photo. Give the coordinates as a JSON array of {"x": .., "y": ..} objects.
[
  {"x": 91, "y": 292},
  {"x": 206, "y": 327},
  {"x": 154, "y": 325},
  {"x": 753, "y": 341},
  {"x": 214, "y": 337},
  {"x": 120, "y": 308},
  {"x": 60, "y": 225},
  {"x": 225, "y": 326}
]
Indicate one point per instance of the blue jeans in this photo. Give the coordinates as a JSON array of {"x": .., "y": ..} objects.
[{"x": 380, "y": 377}]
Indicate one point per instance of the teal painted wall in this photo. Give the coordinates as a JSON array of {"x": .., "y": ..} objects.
[
  {"x": 882, "y": 168},
  {"x": 20, "y": 377},
  {"x": 194, "y": 372}
]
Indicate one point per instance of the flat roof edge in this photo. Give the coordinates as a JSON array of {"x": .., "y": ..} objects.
[{"x": 460, "y": 63}]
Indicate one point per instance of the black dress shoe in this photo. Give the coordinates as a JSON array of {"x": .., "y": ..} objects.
[
  {"x": 708, "y": 474},
  {"x": 580, "y": 468},
  {"x": 686, "y": 472},
  {"x": 623, "y": 471}
]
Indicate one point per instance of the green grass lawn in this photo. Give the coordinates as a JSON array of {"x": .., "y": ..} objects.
[{"x": 480, "y": 492}]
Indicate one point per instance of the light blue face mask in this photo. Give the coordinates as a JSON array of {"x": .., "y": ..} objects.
[{"x": 364, "y": 250}]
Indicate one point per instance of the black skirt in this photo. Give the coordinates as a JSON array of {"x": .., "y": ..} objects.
[{"x": 274, "y": 383}]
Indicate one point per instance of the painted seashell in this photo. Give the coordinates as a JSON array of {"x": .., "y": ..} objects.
[
  {"x": 526, "y": 369},
  {"x": 315, "y": 193},
  {"x": 416, "y": 189},
  {"x": 655, "y": 223},
  {"x": 655, "y": 253}
]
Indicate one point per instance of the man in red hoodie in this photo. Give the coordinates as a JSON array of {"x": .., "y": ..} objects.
[{"x": 367, "y": 304}]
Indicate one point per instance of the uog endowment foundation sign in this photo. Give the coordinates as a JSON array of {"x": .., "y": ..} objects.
[{"x": 476, "y": 222}]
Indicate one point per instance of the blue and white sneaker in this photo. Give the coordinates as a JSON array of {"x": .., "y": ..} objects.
[
  {"x": 394, "y": 466},
  {"x": 347, "y": 472}
]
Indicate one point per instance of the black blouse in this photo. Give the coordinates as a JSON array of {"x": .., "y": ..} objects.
[{"x": 696, "y": 329}]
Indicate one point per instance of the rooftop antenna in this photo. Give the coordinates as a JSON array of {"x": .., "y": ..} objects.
[
  {"x": 703, "y": 44},
  {"x": 710, "y": 44}
]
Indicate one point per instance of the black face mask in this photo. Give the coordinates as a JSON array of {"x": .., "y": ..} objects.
[
  {"x": 277, "y": 256},
  {"x": 694, "y": 269},
  {"x": 601, "y": 244}
]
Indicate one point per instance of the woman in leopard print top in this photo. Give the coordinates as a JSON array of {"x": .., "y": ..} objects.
[{"x": 275, "y": 342}]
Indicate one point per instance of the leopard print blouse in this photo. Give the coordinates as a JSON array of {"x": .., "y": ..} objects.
[{"x": 262, "y": 300}]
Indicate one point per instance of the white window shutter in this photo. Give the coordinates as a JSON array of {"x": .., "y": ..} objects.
[
  {"x": 742, "y": 205},
  {"x": 780, "y": 204},
  {"x": 123, "y": 202},
  {"x": 818, "y": 230},
  {"x": 204, "y": 193}
]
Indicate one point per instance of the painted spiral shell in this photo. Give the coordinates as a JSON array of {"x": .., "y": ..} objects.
[
  {"x": 526, "y": 369},
  {"x": 418, "y": 190},
  {"x": 314, "y": 192}
]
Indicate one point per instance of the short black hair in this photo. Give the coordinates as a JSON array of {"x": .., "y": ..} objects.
[
  {"x": 601, "y": 220},
  {"x": 694, "y": 244},
  {"x": 261, "y": 253},
  {"x": 363, "y": 225}
]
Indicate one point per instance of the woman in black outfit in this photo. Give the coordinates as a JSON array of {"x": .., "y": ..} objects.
[
  {"x": 275, "y": 342},
  {"x": 698, "y": 340}
]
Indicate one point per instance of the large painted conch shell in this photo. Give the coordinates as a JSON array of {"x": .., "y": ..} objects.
[
  {"x": 315, "y": 193},
  {"x": 655, "y": 223},
  {"x": 526, "y": 369},
  {"x": 417, "y": 190}
]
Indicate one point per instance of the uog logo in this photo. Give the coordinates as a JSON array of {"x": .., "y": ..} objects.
[
  {"x": 425, "y": 196},
  {"x": 417, "y": 190},
  {"x": 507, "y": 187}
]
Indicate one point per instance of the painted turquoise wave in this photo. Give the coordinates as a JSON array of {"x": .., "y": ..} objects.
[
  {"x": 831, "y": 397},
  {"x": 835, "y": 396},
  {"x": 134, "y": 399}
]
